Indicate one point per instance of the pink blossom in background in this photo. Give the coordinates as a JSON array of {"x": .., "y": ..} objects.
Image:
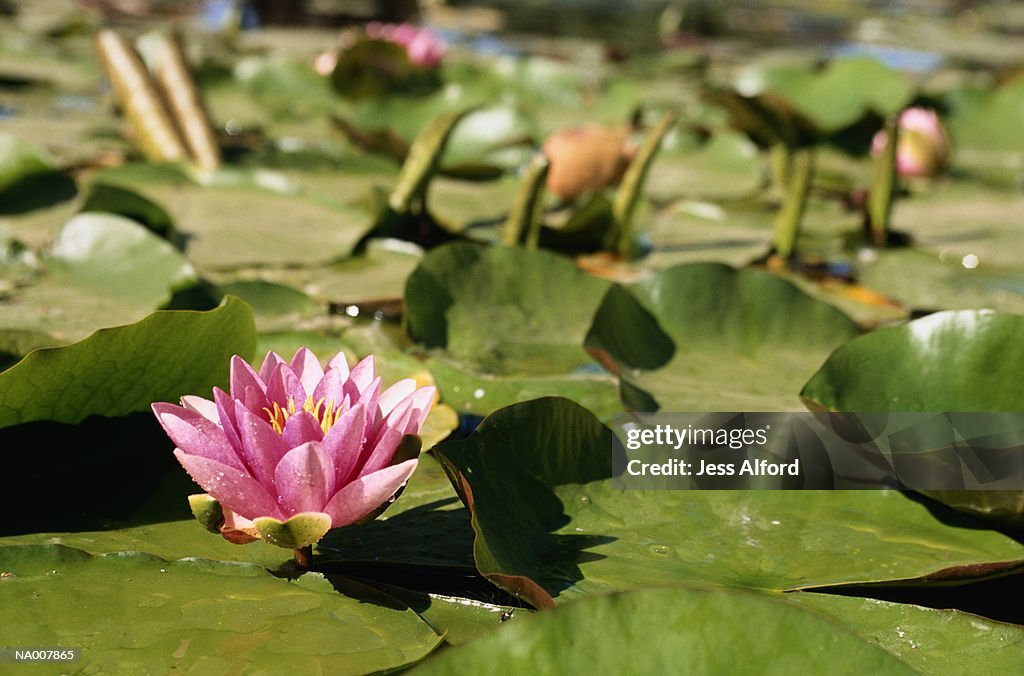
[
  {"x": 922, "y": 148},
  {"x": 424, "y": 47}
]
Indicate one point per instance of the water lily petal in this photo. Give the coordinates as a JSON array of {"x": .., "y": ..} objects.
[
  {"x": 195, "y": 435},
  {"x": 381, "y": 451},
  {"x": 305, "y": 479},
  {"x": 367, "y": 493},
  {"x": 423, "y": 400},
  {"x": 369, "y": 398},
  {"x": 284, "y": 385},
  {"x": 226, "y": 412},
  {"x": 390, "y": 397},
  {"x": 344, "y": 442},
  {"x": 300, "y": 428},
  {"x": 362, "y": 376},
  {"x": 262, "y": 447},
  {"x": 203, "y": 407},
  {"x": 269, "y": 362},
  {"x": 242, "y": 376},
  {"x": 340, "y": 362},
  {"x": 331, "y": 388},
  {"x": 233, "y": 488},
  {"x": 307, "y": 368}
]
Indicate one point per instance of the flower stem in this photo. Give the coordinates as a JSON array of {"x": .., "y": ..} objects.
[
  {"x": 883, "y": 186},
  {"x": 628, "y": 193},
  {"x": 787, "y": 221},
  {"x": 304, "y": 557},
  {"x": 524, "y": 219}
]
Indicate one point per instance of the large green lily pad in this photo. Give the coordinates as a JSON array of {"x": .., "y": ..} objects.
[
  {"x": 280, "y": 224},
  {"x": 123, "y": 369},
  {"x": 141, "y": 613},
  {"x": 929, "y": 640},
  {"x": 968, "y": 360},
  {"x": 114, "y": 256},
  {"x": 706, "y": 336},
  {"x": 832, "y": 98},
  {"x": 550, "y": 524},
  {"x": 507, "y": 313},
  {"x": 654, "y": 630}
]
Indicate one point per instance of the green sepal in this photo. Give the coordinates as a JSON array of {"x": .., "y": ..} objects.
[
  {"x": 207, "y": 511},
  {"x": 301, "y": 530}
]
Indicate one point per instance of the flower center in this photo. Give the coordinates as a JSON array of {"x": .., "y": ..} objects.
[{"x": 324, "y": 411}]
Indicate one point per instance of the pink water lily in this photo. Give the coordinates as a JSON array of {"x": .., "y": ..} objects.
[
  {"x": 922, "y": 146},
  {"x": 297, "y": 444},
  {"x": 423, "y": 46}
]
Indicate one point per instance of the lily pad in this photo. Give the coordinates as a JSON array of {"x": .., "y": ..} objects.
[
  {"x": 726, "y": 167},
  {"x": 115, "y": 200},
  {"x": 929, "y": 640},
  {"x": 277, "y": 225},
  {"x": 115, "y": 256},
  {"x": 124, "y": 369},
  {"x": 27, "y": 179},
  {"x": 139, "y": 612},
  {"x": 641, "y": 632},
  {"x": 834, "y": 97},
  {"x": 706, "y": 336},
  {"x": 492, "y": 313},
  {"x": 550, "y": 525},
  {"x": 968, "y": 360},
  {"x": 987, "y": 117}
]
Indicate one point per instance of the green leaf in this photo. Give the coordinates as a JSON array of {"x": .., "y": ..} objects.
[
  {"x": 115, "y": 256},
  {"x": 494, "y": 309},
  {"x": 470, "y": 391},
  {"x": 491, "y": 136},
  {"x": 275, "y": 306},
  {"x": 642, "y": 632},
  {"x": 742, "y": 339},
  {"x": 27, "y": 180},
  {"x": 277, "y": 226},
  {"x": 967, "y": 360},
  {"x": 143, "y": 614},
  {"x": 833, "y": 98},
  {"x": 549, "y": 523},
  {"x": 124, "y": 369},
  {"x": 987, "y": 117},
  {"x": 726, "y": 166},
  {"x": 929, "y": 640},
  {"x": 128, "y": 203},
  {"x": 493, "y": 312}
]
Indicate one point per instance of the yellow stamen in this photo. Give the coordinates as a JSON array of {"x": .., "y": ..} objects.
[{"x": 324, "y": 411}]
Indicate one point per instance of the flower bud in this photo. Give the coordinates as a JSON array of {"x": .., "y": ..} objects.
[
  {"x": 586, "y": 158},
  {"x": 922, "y": 149}
]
